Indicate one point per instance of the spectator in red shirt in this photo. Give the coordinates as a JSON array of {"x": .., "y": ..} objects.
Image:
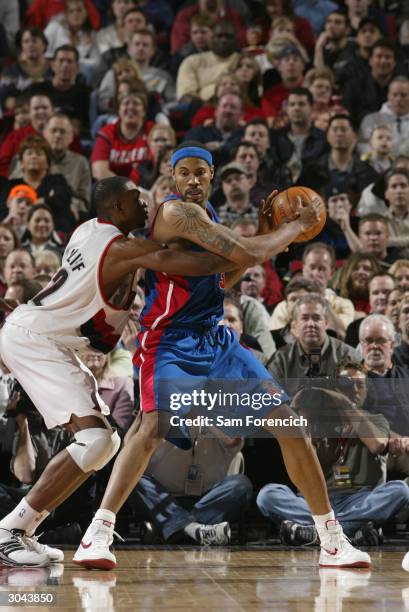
[
  {"x": 40, "y": 12},
  {"x": 216, "y": 10},
  {"x": 291, "y": 66},
  {"x": 40, "y": 110},
  {"x": 121, "y": 147}
]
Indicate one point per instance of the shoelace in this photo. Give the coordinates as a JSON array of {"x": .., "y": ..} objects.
[
  {"x": 32, "y": 542},
  {"x": 105, "y": 537},
  {"x": 211, "y": 536},
  {"x": 16, "y": 536},
  {"x": 341, "y": 539}
]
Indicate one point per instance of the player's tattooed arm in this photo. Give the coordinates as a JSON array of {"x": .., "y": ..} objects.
[{"x": 190, "y": 221}]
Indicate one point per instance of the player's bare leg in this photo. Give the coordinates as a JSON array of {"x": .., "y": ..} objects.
[
  {"x": 305, "y": 472},
  {"x": 131, "y": 462},
  {"x": 140, "y": 443},
  {"x": 94, "y": 445}
]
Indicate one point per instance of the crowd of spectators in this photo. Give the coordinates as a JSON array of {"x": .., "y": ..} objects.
[{"x": 283, "y": 93}]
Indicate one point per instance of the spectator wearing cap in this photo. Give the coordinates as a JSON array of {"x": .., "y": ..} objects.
[
  {"x": 236, "y": 190},
  {"x": 19, "y": 201},
  {"x": 31, "y": 66},
  {"x": 225, "y": 133},
  {"x": 362, "y": 96},
  {"x": 342, "y": 164},
  {"x": 394, "y": 113},
  {"x": 290, "y": 65},
  {"x": 357, "y": 63},
  {"x": 40, "y": 110},
  {"x": 121, "y": 147},
  {"x": 340, "y": 228},
  {"x": 300, "y": 142},
  {"x": 216, "y": 12},
  {"x": 53, "y": 189},
  {"x": 198, "y": 73},
  {"x": 333, "y": 47}
]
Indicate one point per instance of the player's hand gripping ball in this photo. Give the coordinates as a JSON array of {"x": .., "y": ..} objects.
[{"x": 303, "y": 203}]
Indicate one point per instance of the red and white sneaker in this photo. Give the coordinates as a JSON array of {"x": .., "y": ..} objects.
[
  {"x": 93, "y": 551},
  {"x": 337, "y": 550}
]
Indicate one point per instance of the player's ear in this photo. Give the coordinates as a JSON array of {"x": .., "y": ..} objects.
[{"x": 212, "y": 171}]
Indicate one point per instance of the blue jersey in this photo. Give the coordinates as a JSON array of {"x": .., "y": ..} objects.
[{"x": 183, "y": 302}]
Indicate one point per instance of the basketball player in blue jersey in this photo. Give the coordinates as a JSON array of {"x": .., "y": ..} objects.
[
  {"x": 86, "y": 304},
  {"x": 181, "y": 339}
]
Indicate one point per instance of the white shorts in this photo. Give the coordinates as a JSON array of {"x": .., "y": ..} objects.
[{"x": 56, "y": 381}]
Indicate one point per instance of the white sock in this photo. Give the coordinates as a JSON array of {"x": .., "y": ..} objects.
[
  {"x": 321, "y": 521},
  {"x": 105, "y": 515},
  {"x": 37, "y": 521},
  {"x": 190, "y": 530},
  {"x": 21, "y": 517}
]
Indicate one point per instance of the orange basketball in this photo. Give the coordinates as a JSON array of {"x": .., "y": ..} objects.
[{"x": 284, "y": 207}]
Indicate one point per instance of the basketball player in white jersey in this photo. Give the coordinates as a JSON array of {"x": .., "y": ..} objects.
[{"x": 86, "y": 305}]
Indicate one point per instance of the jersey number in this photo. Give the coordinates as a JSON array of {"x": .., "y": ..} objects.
[{"x": 55, "y": 283}]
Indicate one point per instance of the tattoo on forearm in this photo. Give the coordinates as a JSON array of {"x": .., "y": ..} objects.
[{"x": 189, "y": 221}]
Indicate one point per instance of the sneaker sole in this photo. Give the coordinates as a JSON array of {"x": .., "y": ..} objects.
[
  {"x": 102, "y": 564},
  {"x": 346, "y": 565}
]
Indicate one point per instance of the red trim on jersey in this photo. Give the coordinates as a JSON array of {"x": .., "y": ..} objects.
[
  {"x": 108, "y": 223},
  {"x": 144, "y": 359},
  {"x": 100, "y": 265}
]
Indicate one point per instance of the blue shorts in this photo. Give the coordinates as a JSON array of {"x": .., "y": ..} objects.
[{"x": 176, "y": 361}]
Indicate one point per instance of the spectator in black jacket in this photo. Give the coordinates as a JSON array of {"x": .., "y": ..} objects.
[
  {"x": 342, "y": 164},
  {"x": 300, "y": 142},
  {"x": 363, "y": 96}
]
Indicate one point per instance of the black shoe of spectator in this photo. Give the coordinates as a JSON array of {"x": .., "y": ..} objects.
[
  {"x": 368, "y": 535},
  {"x": 67, "y": 534},
  {"x": 148, "y": 533},
  {"x": 293, "y": 534}
]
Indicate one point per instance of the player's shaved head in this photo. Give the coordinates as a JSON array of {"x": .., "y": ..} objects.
[{"x": 108, "y": 191}]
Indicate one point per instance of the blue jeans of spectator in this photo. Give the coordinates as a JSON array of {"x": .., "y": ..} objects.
[
  {"x": 278, "y": 502},
  {"x": 225, "y": 501}
]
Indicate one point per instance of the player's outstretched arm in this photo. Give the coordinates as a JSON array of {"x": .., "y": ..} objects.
[
  {"x": 128, "y": 255},
  {"x": 189, "y": 221}
]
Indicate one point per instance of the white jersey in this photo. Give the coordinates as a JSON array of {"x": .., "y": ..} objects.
[{"x": 72, "y": 309}]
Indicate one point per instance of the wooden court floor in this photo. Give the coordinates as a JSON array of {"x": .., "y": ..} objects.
[{"x": 215, "y": 579}]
